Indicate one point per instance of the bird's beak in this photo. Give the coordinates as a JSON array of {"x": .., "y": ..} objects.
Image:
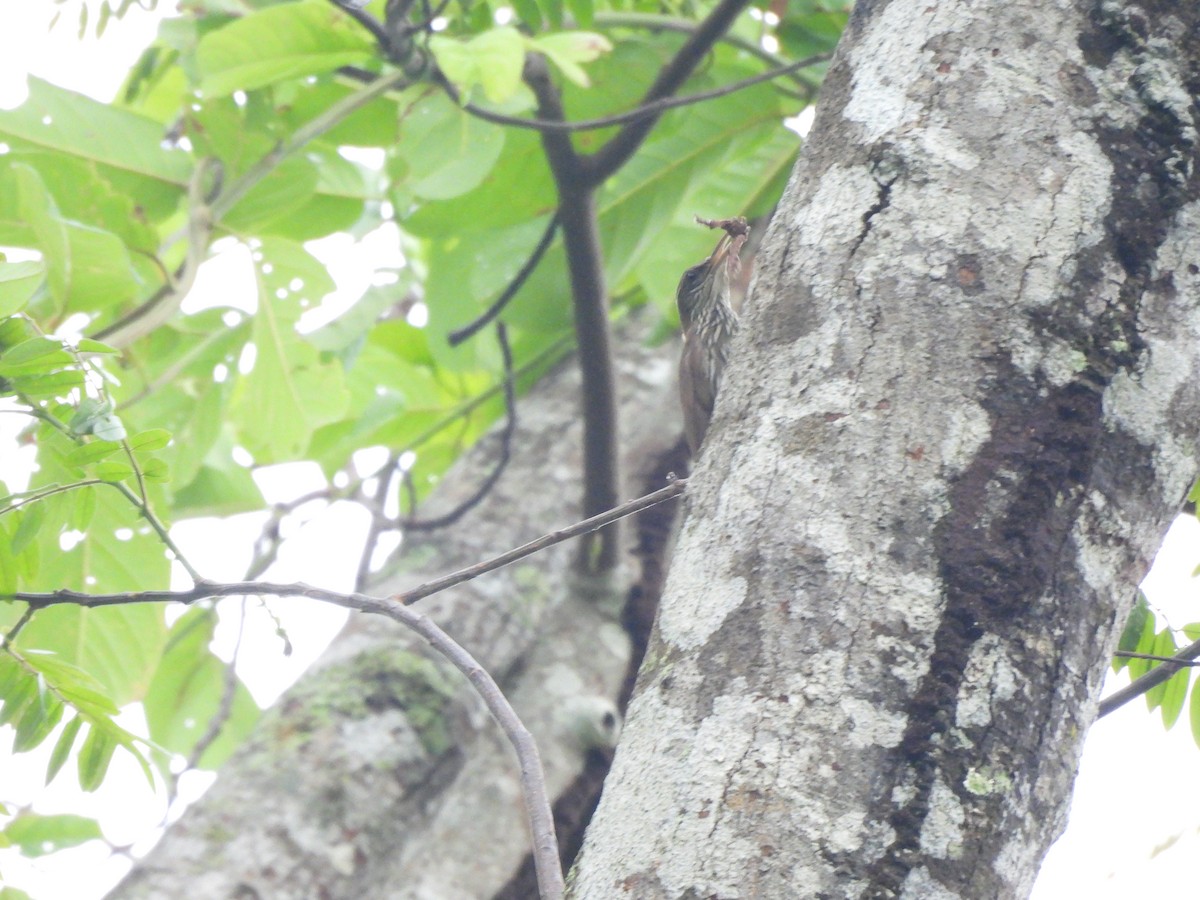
[{"x": 720, "y": 253}]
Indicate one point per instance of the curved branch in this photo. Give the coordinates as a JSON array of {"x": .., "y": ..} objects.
[
  {"x": 165, "y": 302},
  {"x": 206, "y": 589},
  {"x": 510, "y": 427},
  {"x": 653, "y": 108},
  {"x": 459, "y": 335},
  {"x": 372, "y": 25}
]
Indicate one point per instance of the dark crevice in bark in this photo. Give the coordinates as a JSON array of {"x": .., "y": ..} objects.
[
  {"x": 1012, "y": 511},
  {"x": 1000, "y": 545},
  {"x": 574, "y": 808},
  {"x": 880, "y": 204}
]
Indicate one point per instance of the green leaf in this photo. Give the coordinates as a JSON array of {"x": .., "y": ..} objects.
[
  {"x": 567, "y": 49},
  {"x": 38, "y": 719},
  {"x": 149, "y": 441},
  {"x": 30, "y": 519},
  {"x": 91, "y": 452},
  {"x": 39, "y": 387},
  {"x": 155, "y": 469},
  {"x": 1163, "y": 645},
  {"x": 278, "y": 43},
  {"x": 114, "y": 471},
  {"x": 1174, "y": 694},
  {"x": 19, "y": 694},
  {"x": 529, "y": 13},
  {"x": 122, "y": 142},
  {"x": 1137, "y": 636},
  {"x": 38, "y": 835},
  {"x": 492, "y": 60},
  {"x": 583, "y": 11},
  {"x": 187, "y": 690},
  {"x": 94, "y": 757},
  {"x": 37, "y": 208},
  {"x": 99, "y": 661},
  {"x": 87, "y": 345},
  {"x": 18, "y": 282},
  {"x": 79, "y": 516},
  {"x": 37, "y": 354},
  {"x": 62, "y": 748},
  {"x": 84, "y": 193},
  {"x": 287, "y": 188},
  {"x": 290, "y": 391},
  {"x": 444, "y": 151},
  {"x": 1194, "y": 716}
]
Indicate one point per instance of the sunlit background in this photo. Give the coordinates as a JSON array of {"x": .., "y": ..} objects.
[{"x": 1135, "y": 821}]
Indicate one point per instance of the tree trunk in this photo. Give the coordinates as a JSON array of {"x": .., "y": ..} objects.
[
  {"x": 380, "y": 774},
  {"x": 959, "y": 417}
]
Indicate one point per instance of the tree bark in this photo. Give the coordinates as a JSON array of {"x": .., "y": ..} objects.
[
  {"x": 958, "y": 419},
  {"x": 380, "y": 774}
]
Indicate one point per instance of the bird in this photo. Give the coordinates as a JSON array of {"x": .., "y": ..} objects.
[{"x": 709, "y": 324}]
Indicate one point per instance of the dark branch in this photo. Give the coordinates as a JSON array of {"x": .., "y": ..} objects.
[
  {"x": 1129, "y": 654},
  {"x": 609, "y": 158},
  {"x": 1150, "y": 680},
  {"x": 369, "y": 22},
  {"x": 459, "y": 335},
  {"x": 206, "y": 589},
  {"x": 506, "y": 436},
  {"x": 581, "y": 240},
  {"x": 654, "y": 108}
]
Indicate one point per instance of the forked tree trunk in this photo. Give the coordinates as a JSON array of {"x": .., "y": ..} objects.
[{"x": 961, "y": 413}]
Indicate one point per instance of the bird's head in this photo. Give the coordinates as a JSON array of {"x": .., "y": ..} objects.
[{"x": 707, "y": 284}]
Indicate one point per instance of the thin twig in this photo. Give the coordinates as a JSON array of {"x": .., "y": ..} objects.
[
  {"x": 166, "y": 301},
  {"x": 205, "y": 589},
  {"x": 533, "y": 783},
  {"x": 25, "y": 498},
  {"x": 1129, "y": 654},
  {"x": 380, "y": 524},
  {"x": 587, "y": 526},
  {"x": 459, "y": 335},
  {"x": 228, "y": 692},
  {"x": 309, "y": 131},
  {"x": 506, "y": 435},
  {"x": 653, "y": 108},
  {"x": 18, "y": 627},
  {"x": 656, "y": 22},
  {"x": 1150, "y": 680}
]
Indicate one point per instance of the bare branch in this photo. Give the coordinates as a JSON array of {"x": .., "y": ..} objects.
[
  {"x": 537, "y": 802},
  {"x": 373, "y": 26},
  {"x": 581, "y": 239},
  {"x": 510, "y": 427},
  {"x": 459, "y": 335},
  {"x": 206, "y": 589},
  {"x": 1151, "y": 679},
  {"x": 1129, "y": 654},
  {"x": 653, "y": 108}
]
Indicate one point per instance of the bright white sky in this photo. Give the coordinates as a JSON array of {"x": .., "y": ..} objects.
[{"x": 1135, "y": 821}]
